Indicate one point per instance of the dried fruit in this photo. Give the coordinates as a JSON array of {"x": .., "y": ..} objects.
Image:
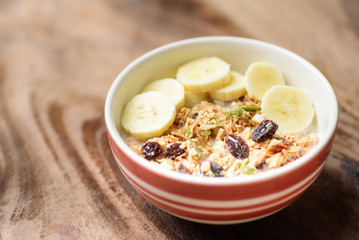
[
  {"x": 237, "y": 146},
  {"x": 151, "y": 150},
  {"x": 264, "y": 131},
  {"x": 173, "y": 151},
  {"x": 194, "y": 115},
  {"x": 216, "y": 169}
]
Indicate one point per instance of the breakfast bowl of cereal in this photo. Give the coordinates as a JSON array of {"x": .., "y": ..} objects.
[{"x": 221, "y": 130}]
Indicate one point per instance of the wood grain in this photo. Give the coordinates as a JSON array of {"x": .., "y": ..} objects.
[{"x": 58, "y": 179}]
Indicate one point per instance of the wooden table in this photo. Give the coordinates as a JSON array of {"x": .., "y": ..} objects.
[{"x": 58, "y": 179}]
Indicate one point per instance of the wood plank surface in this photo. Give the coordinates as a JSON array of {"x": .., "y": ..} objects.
[{"x": 58, "y": 58}]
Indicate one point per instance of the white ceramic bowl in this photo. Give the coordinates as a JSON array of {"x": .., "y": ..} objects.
[{"x": 221, "y": 200}]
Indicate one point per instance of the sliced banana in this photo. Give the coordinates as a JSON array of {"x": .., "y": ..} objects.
[
  {"x": 170, "y": 87},
  {"x": 233, "y": 90},
  {"x": 291, "y": 108},
  {"x": 204, "y": 74},
  {"x": 193, "y": 98},
  {"x": 260, "y": 77},
  {"x": 148, "y": 114}
]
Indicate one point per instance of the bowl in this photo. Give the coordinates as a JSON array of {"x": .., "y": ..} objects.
[{"x": 221, "y": 200}]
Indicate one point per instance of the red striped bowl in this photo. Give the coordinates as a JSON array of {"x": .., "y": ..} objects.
[{"x": 221, "y": 200}]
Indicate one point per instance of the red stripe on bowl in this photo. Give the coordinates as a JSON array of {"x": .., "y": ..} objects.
[
  {"x": 218, "y": 218},
  {"x": 207, "y": 191},
  {"x": 297, "y": 191}
]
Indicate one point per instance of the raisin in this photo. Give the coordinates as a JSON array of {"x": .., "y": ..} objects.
[
  {"x": 216, "y": 169},
  {"x": 237, "y": 146},
  {"x": 173, "y": 151},
  {"x": 264, "y": 131},
  {"x": 194, "y": 115},
  {"x": 151, "y": 150}
]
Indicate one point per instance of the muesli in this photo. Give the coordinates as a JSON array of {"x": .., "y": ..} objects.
[{"x": 238, "y": 125}]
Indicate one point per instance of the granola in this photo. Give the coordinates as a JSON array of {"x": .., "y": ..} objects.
[{"x": 197, "y": 141}]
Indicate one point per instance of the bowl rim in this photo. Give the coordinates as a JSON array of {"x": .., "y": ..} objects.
[{"x": 238, "y": 180}]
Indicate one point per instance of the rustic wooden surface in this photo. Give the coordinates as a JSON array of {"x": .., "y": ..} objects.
[{"x": 58, "y": 179}]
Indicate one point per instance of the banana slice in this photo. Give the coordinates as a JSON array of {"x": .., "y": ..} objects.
[
  {"x": 193, "y": 98},
  {"x": 148, "y": 114},
  {"x": 290, "y": 107},
  {"x": 260, "y": 77},
  {"x": 234, "y": 90},
  {"x": 170, "y": 87},
  {"x": 204, "y": 74}
]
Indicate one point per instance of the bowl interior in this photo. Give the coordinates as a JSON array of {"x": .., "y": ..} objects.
[{"x": 240, "y": 53}]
